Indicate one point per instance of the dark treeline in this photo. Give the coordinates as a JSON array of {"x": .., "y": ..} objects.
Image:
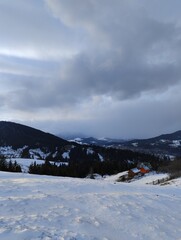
[
  {"x": 81, "y": 164},
  {"x": 85, "y": 160},
  {"x": 173, "y": 168},
  {"x": 9, "y": 166}
]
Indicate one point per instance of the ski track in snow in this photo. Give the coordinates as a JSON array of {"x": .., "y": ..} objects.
[{"x": 36, "y": 207}]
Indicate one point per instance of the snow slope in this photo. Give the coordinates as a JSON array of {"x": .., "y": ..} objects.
[{"x": 55, "y": 208}]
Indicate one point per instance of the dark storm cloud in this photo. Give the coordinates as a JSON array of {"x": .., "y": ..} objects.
[
  {"x": 128, "y": 53},
  {"x": 138, "y": 53}
]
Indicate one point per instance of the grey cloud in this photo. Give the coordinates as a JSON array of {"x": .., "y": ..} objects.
[
  {"x": 139, "y": 119},
  {"x": 131, "y": 62},
  {"x": 80, "y": 79},
  {"x": 147, "y": 57},
  {"x": 100, "y": 49}
]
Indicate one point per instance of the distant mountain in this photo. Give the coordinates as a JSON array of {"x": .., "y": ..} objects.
[
  {"x": 168, "y": 144},
  {"x": 17, "y": 140},
  {"x": 20, "y": 141},
  {"x": 164, "y": 144},
  {"x": 93, "y": 141},
  {"x": 75, "y": 158},
  {"x": 18, "y": 135}
]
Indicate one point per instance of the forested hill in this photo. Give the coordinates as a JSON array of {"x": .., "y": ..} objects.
[
  {"x": 18, "y": 135},
  {"x": 20, "y": 141}
]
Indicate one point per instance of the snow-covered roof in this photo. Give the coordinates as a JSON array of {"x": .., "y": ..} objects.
[
  {"x": 135, "y": 170},
  {"x": 145, "y": 167}
]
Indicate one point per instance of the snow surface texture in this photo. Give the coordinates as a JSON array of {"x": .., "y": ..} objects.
[{"x": 56, "y": 208}]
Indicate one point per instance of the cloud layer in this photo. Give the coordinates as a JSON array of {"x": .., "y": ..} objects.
[{"x": 91, "y": 64}]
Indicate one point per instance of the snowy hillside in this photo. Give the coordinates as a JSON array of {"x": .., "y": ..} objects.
[
  {"x": 26, "y": 162},
  {"x": 53, "y": 208},
  {"x": 35, "y": 153}
]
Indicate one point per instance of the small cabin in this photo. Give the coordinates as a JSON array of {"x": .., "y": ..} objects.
[
  {"x": 133, "y": 172},
  {"x": 144, "y": 169}
]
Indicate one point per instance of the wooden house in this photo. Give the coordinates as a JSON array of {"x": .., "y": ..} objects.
[
  {"x": 133, "y": 172},
  {"x": 144, "y": 169}
]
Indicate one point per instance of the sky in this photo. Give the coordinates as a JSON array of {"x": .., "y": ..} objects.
[{"x": 103, "y": 68}]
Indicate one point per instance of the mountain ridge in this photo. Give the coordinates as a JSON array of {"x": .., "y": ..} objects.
[
  {"x": 24, "y": 141},
  {"x": 15, "y": 135},
  {"x": 20, "y": 141},
  {"x": 169, "y": 144}
]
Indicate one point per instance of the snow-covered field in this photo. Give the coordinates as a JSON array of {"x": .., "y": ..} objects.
[{"x": 55, "y": 208}]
